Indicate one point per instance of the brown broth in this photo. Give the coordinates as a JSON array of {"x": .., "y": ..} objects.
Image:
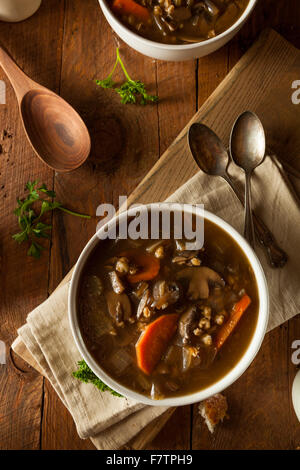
[{"x": 223, "y": 255}]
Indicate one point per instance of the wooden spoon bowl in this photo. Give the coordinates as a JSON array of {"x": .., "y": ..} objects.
[{"x": 54, "y": 129}]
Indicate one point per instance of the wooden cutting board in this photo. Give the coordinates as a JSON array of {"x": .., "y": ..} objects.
[{"x": 262, "y": 82}]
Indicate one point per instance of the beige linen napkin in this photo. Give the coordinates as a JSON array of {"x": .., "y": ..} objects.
[{"x": 109, "y": 421}]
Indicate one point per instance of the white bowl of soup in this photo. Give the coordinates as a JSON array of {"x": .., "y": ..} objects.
[
  {"x": 163, "y": 322},
  {"x": 176, "y": 30}
]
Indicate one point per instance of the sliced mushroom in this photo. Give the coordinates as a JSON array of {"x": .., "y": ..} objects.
[
  {"x": 165, "y": 293},
  {"x": 119, "y": 307},
  {"x": 187, "y": 324},
  {"x": 116, "y": 282},
  {"x": 200, "y": 279}
]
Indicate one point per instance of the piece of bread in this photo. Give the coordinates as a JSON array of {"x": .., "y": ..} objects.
[{"x": 213, "y": 410}]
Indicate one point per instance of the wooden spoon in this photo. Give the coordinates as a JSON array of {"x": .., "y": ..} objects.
[{"x": 54, "y": 129}]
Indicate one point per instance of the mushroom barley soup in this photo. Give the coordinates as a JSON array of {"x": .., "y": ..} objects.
[
  {"x": 178, "y": 21},
  {"x": 165, "y": 321}
]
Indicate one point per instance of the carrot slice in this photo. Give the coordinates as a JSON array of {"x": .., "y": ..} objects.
[
  {"x": 154, "y": 341},
  {"x": 148, "y": 266},
  {"x": 130, "y": 7},
  {"x": 237, "y": 311}
]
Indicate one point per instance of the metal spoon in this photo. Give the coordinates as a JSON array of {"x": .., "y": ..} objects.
[
  {"x": 54, "y": 129},
  {"x": 212, "y": 158},
  {"x": 247, "y": 149}
]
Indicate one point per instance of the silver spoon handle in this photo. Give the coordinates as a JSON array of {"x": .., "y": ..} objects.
[
  {"x": 248, "y": 227},
  {"x": 276, "y": 256}
]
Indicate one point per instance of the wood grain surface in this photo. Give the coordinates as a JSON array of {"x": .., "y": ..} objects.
[{"x": 65, "y": 46}]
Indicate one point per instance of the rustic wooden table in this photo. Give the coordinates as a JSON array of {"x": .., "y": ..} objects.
[{"x": 65, "y": 46}]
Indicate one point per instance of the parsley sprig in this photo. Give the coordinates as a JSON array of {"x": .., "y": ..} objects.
[
  {"x": 86, "y": 375},
  {"x": 30, "y": 211},
  {"x": 130, "y": 90}
]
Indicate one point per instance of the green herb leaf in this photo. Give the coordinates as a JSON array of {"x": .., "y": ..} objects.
[
  {"x": 41, "y": 230},
  {"x": 49, "y": 206},
  {"x": 45, "y": 190},
  {"x": 86, "y": 375},
  {"x": 21, "y": 236},
  {"x": 35, "y": 250},
  {"x": 106, "y": 83},
  {"x": 30, "y": 211},
  {"x": 31, "y": 185},
  {"x": 131, "y": 91}
]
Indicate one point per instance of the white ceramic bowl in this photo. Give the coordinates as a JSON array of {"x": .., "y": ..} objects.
[
  {"x": 234, "y": 373},
  {"x": 18, "y": 10},
  {"x": 174, "y": 52}
]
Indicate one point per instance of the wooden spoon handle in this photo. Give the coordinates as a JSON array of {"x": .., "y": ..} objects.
[{"x": 19, "y": 81}]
